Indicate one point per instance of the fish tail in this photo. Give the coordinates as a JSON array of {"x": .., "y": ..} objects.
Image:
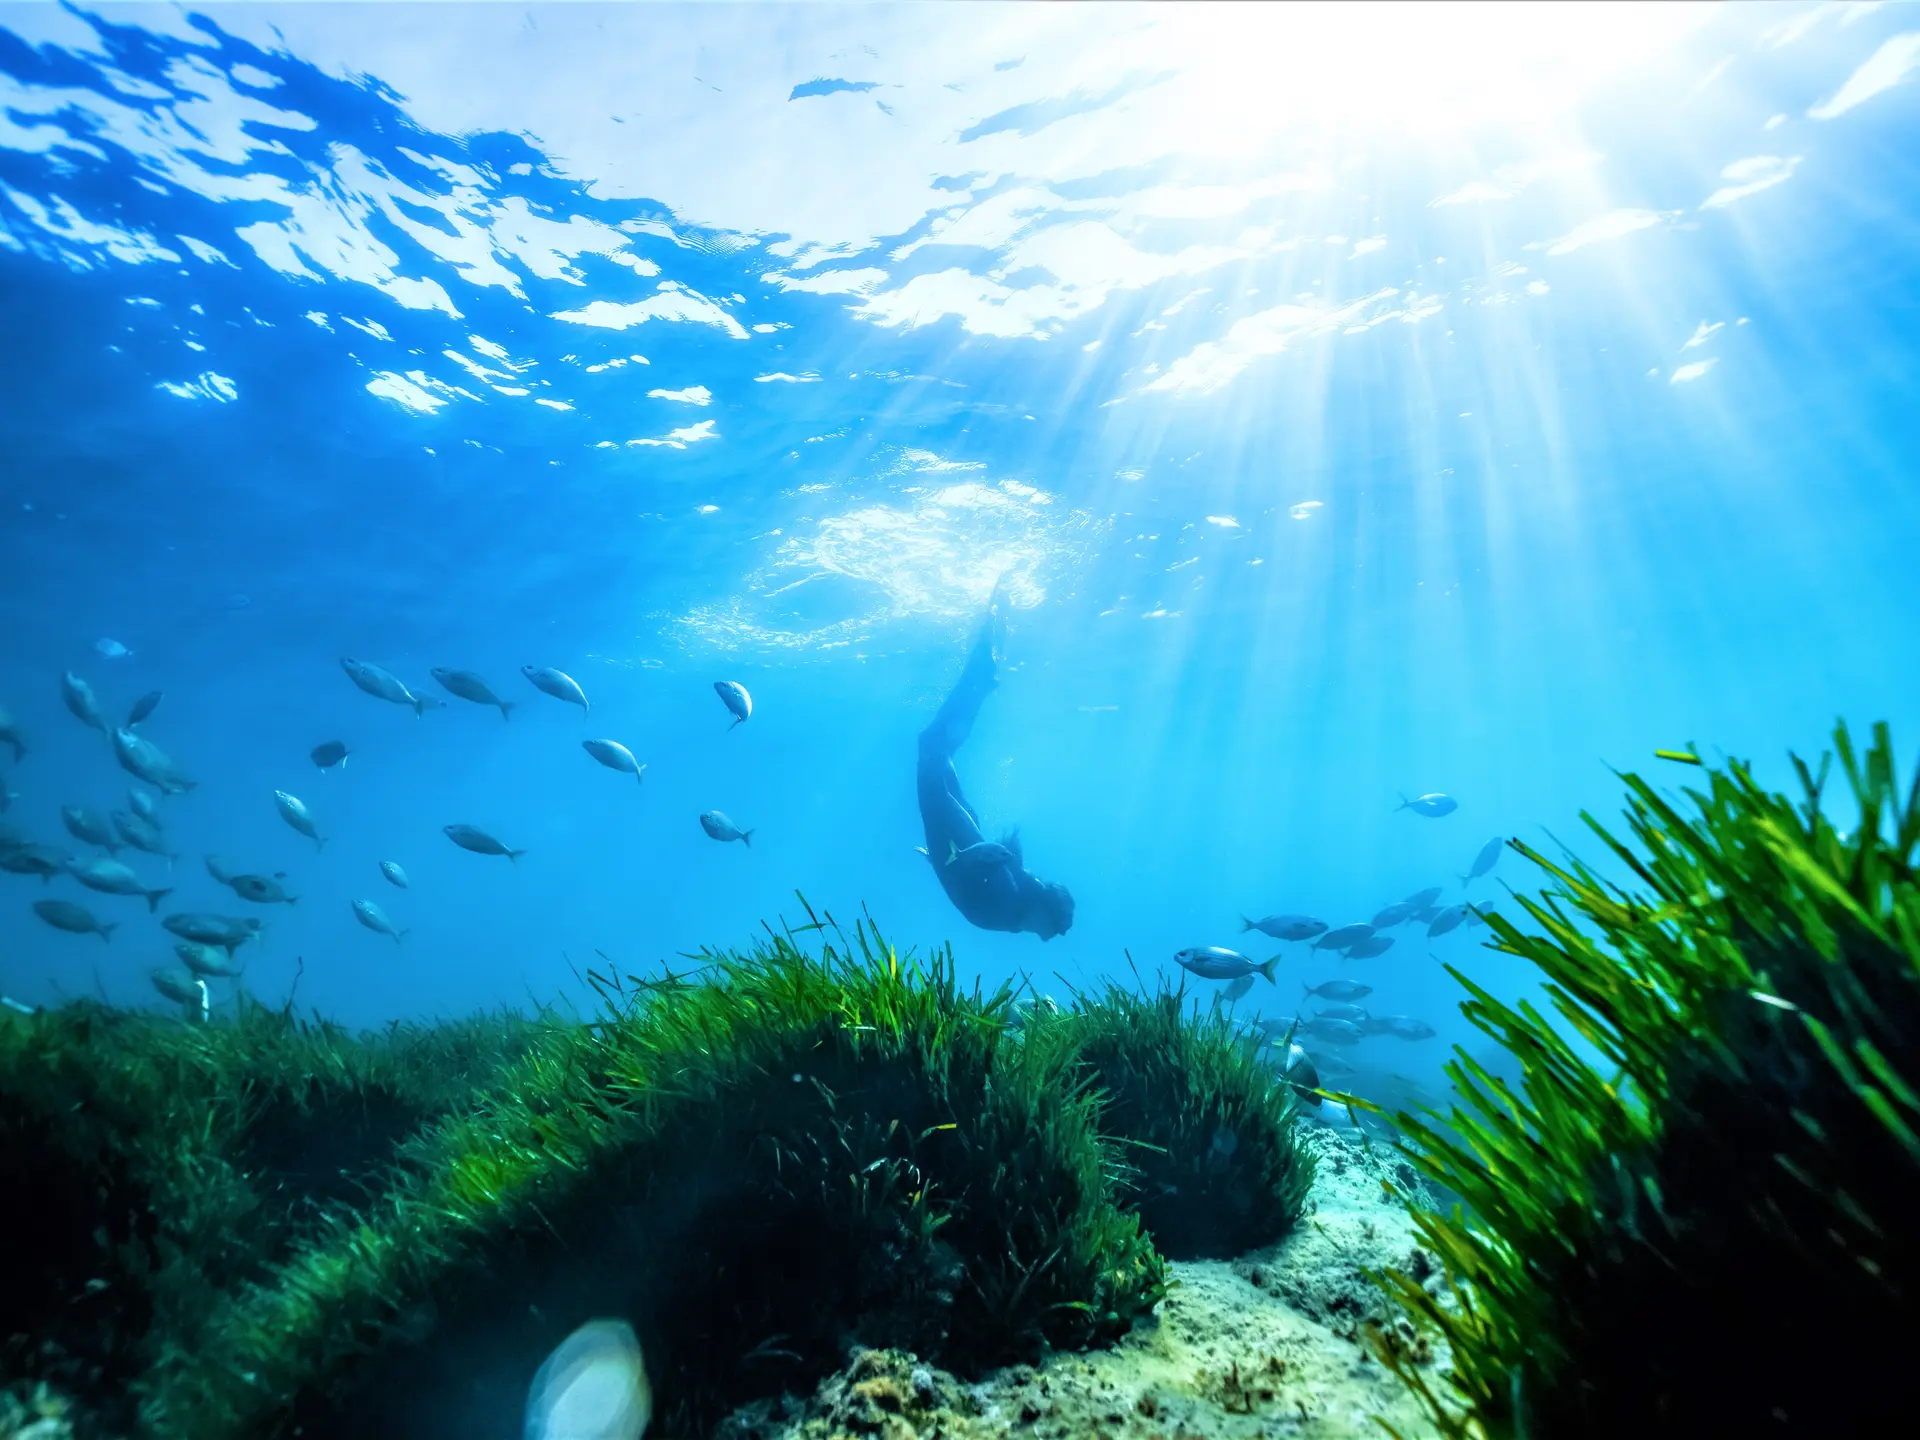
[
  {"x": 401, "y": 935},
  {"x": 640, "y": 776},
  {"x": 1267, "y": 970},
  {"x": 505, "y": 706},
  {"x": 586, "y": 707},
  {"x": 747, "y": 837},
  {"x": 106, "y": 930},
  {"x": 513, "y": 855},
  {"x": 1245, "y": 924},
  {"x": 319, "y": 842},
  {"x": 154, "y": 897},
  {"x": 736, "y": 722},
  {"x": 1404, "y": 802}
]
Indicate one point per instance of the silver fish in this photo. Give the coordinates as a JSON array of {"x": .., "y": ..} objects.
[
  {"x": 1341, "y": 1012},
  {"x": 469, "y": 686},
  {"x": 110, "y": 877},
  {"x": 229, "y": 932},
  {"x": 592, "y": 1387},
  {"x": 374, "y": 918},
  {"x": 294, "y": 812},
  {"x": 218, "y": 870},
  {"x": 716, "y": 824},
  {"x": 558, "y": 684},
  {"x": 1488, "y": 857},
  {"x": 1447, "y": 919},
  {"x": 1299, "y": 1072},
  {"x": 393, "y": 872},
  {"x": 1432, "y": 806},
  {"x": 141, "y": 833},
  {"x": 146, "y": 761},
  {"x": 145, "y": 806},
  {"x": 980, "y": 854},
  {"x": 1238, "y": 989},
  {"x": 1334, "y": 1032},
  {"x": 1339, "y": 990},
  {"x": 471, "y": 837},
  {"x": 1344, "y": 938},
  {"x": 74, "y": 919},
  {"x": 263, "y": 889},
  {"x": 1216, "y": 962},
  {"x": 1421, "y": 899},
  {"x": 1401, "y": 1027},
  {"x": 208, "y": 960},
  {"x": 143, "y": 707},
  {"x": 615, "y": 756},
  {"x": 1371, "y": 946},
  {"x": 1285, "y": 927},
  {"x": 181, "y": 985},
  {"x": 46, "y": 861},
  {"x": 88, "y": 825},
  {"x": 81, "y": 700},
  {"x": 735, "y": 697},
  {"x": 381, "y": 684},
  {"x": 1393, "y": 915},
  {"x": 329, "y": 753}
]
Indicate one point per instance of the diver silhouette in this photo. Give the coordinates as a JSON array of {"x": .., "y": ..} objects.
[{"x": 985, "y": 879}]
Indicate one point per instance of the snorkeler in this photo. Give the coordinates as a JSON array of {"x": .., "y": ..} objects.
[{"x": 986, "y": 880}]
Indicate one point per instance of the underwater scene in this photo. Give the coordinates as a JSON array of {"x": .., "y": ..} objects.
[{"x": 959, "y": 722}]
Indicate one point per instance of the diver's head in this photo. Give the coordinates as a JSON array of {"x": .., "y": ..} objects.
[{"x": 1049, "y": 910}]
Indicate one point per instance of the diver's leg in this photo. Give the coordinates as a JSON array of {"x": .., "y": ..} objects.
[{"x": 950, "y": 728}]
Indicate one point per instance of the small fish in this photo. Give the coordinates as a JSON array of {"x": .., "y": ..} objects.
[
  {"x": 262, "y": 889},
  {"x": 145, "y": 806},
  {"x": 10, "y": 735},
  {"x": 1393, "y": 915},
  {"x": 469, "y": 686},
  {"x": 178, "y": 984},
  {"x": 1371, "y": 946},
  {"x": 592, "y": 1387},
  {"x": 1477, "y": 914},
  {"x": 218, "y": 870},
  {"x": 110, "y": 649},
  {"x": 227, "y": 931},
  {"x": 716, "y": 824},
  {"x": 1338, "y": 990},
  {"x": 141, "y": 833},
  {"x": 110, "y": 877},
  {"x": 1447, "y": 919},
  {"x": 1404, "y": 1027},
  {"x": 1341, "y": 1012},
  {"x": 1285, "y": 927},
  {"x": 735, "y": 697},
  {"x": 74, "y": 919},
  {"x": 374, "y": 918},
  {"x": 89, "y": 826},
  {"x": 1420, "y": 900},
  {"x": 1344, "y": 938},
  {"x": 391, "y": 869},
  {"x": 1334, "y": 1032},
  {"x": 295, "y": 814},
  {"x": 1488, "y": 857},
  {"x": 1424, "y": 915},
  {"x": 1432, "y": 806},
  {"x": 557, "y": 684},
  {"x": 1216, "y": 962},
  {"x": 143, "y": 707},
  {"x": 329, "y": 753},
  {"x": 615, "y": 756},
  {"x": 81, "y": 700},
  {"x": 208, "y": 960},
  {"x": 979, "y": 855},
  {"x": 1238, "y": 989},
  {"x": 1299, "y": 1072},
  {"x": 469, "y": 837},
  {"x": 381, "y": 684},
  {"x": 146, "y": 761},
  {"x": 46, "y": 861}
]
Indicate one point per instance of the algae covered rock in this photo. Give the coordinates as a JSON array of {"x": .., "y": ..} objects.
[{"x": 1698, "y": 1218}]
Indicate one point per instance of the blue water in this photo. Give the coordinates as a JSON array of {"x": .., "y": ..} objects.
[{"x": 1355, "y": 406}]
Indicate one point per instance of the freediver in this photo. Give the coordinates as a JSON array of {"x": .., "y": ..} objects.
[{"x": 986, "y": 880}]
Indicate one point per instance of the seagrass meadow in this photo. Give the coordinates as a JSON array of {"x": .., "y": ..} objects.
[{"x": 264, "y": 1227}]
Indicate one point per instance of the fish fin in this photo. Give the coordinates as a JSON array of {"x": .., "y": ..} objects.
[
  {"x": 505, "y": 706},
  {"x": 922, "y": 850},
  {"x": 400, "y": 935},
  {"x": 736, "y": 721},
  {"x": 1245, "y": 924},
  {"x": 513, "y": 856},
  {"x": 319, "y": 842},
  {"x": 1404, "y": 802},
  {"x": 154, "y": 897},
  {"x": 586, "y": 707},
  {"x": 746, "y": 837},
  {"x": 106, "y": 930},
  {"x": 1267, "y": 970},
  {"x": 640, "y": 776}
]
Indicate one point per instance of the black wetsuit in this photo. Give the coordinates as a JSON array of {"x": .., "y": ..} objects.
[{"x": 991, "y": 887}]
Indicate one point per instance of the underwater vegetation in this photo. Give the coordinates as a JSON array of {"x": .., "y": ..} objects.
[
  {"x": 784, "y": 1152},
  {"x": 1708, "y": 1227}
]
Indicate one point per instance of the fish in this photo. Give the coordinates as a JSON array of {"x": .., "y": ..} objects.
[
  {"x": 88, "y": 825},
  {"x": 218, "y": 870},
  {"x": 146, "y": 761},
  {"x": 1238, "y": 989},
  {"x": 1421, "y": 899},
  {"x": 1447, "y": 919},
  {"x": 46, "y": 861},
  {"x": 180, "y": 984},
  {"x": 1488, "y": 857},
  {"x": 74, "y": 919},
  {"x": 592, "y": 1387},
  {"x": 229, "y": 932},
  {"x": 374, "y": 918},
  {"x": 735, "y": 697},
  {"x": 141, "y": 833},
  {"x": 81, "y": 700},
  {"x": 469, "y": 686},
  {"x": 1477, "y": 914},
  {"x": 10, "y": 735},
  {"x": 1285, "y": 927},
  {"x": 294, "y": 812},
  {"x": 207, "y": 959},
  {"x": 1341, "y": 1012},
  {"x": 1338, "y": 990},
  {"x": 978, "y": 855},
  {"x": 471, "y": 837},
  {"x": 145, "y": 806},
  {"x": 1344, "y": 938},
  {"x": 110, "y": 877},
  {"x": 615, "y": 756},
  {"x": 381, "y": 684},
  {"x": 1401, "y": 1027},
  {"x": 1432, "y": 806},
  {"x": 558, "y": 684},
  {"x": 391, "y": 869},
  {"x": 1216, "y": 962},
  {"x": 110, "y": 649},
  {"x": 1334, "y": 1032},
  {"x": 329, "y": 753},
  {"x": 1393, "y": 915},
  {"x": 1371, "y": 946},
  {"x": 716, "y": 824},
  {"x": 1299, "y": 1072},
  {"x": 144, "y": 706},
  {"x": 263, "y": 889}
]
